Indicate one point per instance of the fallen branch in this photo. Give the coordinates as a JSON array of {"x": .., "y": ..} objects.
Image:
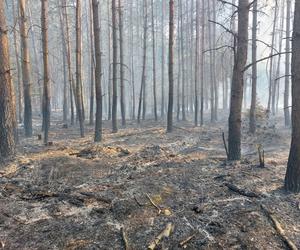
[
  {"x": 125, "y": 240},
  {"x": 164, "y": 234},
  {"x": 240, "y": 191},
  {"x": 187, "y": 240},
  {"x": 277, "y": 226},
  {"x": 153, "y": 204}
]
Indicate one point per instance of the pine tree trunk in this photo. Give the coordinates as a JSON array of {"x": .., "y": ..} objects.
[
  {"x": 96, "y": 22},
  {"x": 292, "y": 178},
  {"x": 202, "y": 63},
  {"x": 69, "y": 62},
  {"x": 46, "y": 87},
  {"x": 252, "y": 124},
  {"x": 171, "y": 73},
  {"x": 115, "y": 55},
  {"x": 183, "y": 106},
  {"x": 162, "y": 113},
  {"x": 142, "y": 101},
  {"x": 25, "y": 70},
  {"x": 8, "y": 132},
  {"x": 20, "y": 87},
  {"x": 92, "y": 67},
  {"x": 122, "y": 85},
  {"x": 287, "y": 116},
  {"x": 234, "y": 136},
  {"x": 271, "y": 69},
  {"x": 197, "y": 61},
  {"x": 80, "y": 112},
  {"x": 154, "y": 61}
]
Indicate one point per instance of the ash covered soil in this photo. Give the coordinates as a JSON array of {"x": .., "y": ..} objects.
[{"x": 141, "y": 182}]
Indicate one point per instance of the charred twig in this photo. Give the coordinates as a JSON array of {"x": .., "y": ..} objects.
[
  {"x": 277, "y": 226},
  {"x": 187, "y": 240},
  {"x": 240, "y": 191},
  {"x": 164, "y": 234},
  {"x": 154, "y": 205},
  {"x": 225, "y": 145}
]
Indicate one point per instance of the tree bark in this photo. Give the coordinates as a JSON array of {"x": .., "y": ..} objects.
[
  {"x": 171, "y": 56},
  {"x": 162, "y": 112},
  {"x": 69, "y": 62},
  {"x": 98, "y": 88},
  {"x": 92, "y": 67},
  {"x": 115, "y": 54},
  {"x": 287, "y": 116},
  {"x": 252, "y": 124},
  {"x": 8, "y": 132},
  {"x": 142, "y": 97},
  {"x": 80, "y": 112},
  {"x": 154, "y": 61},
  {"x": 292, "y": 178},
  {"x": 197, "y": 61},
  {"x": 25, "y": 70},
  {"x": 20, "y": 87},
  {"x": 46, "y": 87},
  {"x": 234, "y": 136},
  {"x": 122, "y": 85}
]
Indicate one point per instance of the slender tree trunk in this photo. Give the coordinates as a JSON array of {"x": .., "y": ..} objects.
[
  {"x": 211, "y": 66},
  {"x": 171, "y": 74},
  {"x": 154, "y": 61},
  {"x": 122, "y": 85},
  {"x": 252, "y": 124},
  {"x": 197, "y": 60},
  {"x": 98, "y": 124},
  {"x": 92, "y": 69},
  {"x": 215, "y": 82},
  {"x": 183, "y": 106},
  {"x": 80, "y": 112},
  {"x": 8, "y": 123},
  {"x": 19, "y": 80},
  {"x": 202, "y": 63},
  {"x": 115, "y": 55},
  {"x": 278, "y": 67},
  {"x": 69, "y": 61},
  {"x": 292, "y": 178},
  {"x": 64, "y": 56},
  {"x": 142, "y": 101},
  {"x": 132, "y": 61},
  {"x": 25, "y": 70},
  {"x": 109, "y": 117},
  {"x": 271, "y": 70},
  {"x": 162, "y": 114},
  {"x": 287, "y": 117},
  {"x": 234, "y": 137},
  {"x": 46, "y": 88},
  {"x": 36, "y": 57}
]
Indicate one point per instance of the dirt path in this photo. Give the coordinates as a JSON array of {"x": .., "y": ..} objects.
[{"x": 77, "y": 195}]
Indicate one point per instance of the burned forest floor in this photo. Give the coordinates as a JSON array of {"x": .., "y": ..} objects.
[{"x": 144, "y": 189}]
